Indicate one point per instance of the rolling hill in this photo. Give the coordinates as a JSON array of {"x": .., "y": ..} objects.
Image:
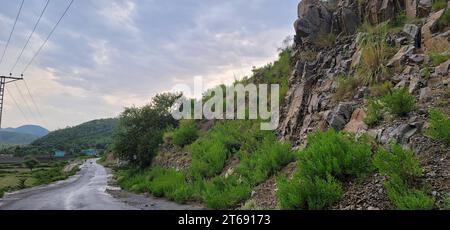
[
  {"x": 34, "y": 130},
  {"x": 22, "y": 135}
]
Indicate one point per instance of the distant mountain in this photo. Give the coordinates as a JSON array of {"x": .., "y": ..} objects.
[
  {"x": 92, "y": 134},
  {"x": 34, "y": 130},
  {"x": 15, "y": 138}
]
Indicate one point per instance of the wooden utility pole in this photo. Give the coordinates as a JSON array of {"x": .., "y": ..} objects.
[{"x": 3, "y": 81}]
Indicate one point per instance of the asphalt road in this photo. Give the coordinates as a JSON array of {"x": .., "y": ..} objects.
[{"x": 84, "y": 191}]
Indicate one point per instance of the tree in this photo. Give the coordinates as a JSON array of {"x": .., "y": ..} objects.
[
  {"x": 30, "y": 163},
  {"x": 140, "y": 130}
]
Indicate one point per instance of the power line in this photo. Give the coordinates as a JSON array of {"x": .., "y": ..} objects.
[
  {"x": 12, "y": 31},
  {"x": 17, "y": 105},
  {"x": 31, "y": 35},
  {"x": 48, "y": 37},
  {"x": 27, "y": 105},
  {"x": 34, "y": 102}
]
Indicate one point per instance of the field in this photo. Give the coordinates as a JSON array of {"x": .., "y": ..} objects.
[{"x": 15, "y": 176}]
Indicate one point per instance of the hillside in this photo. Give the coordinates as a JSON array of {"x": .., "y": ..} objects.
[
  {"x": 92, "y": 134},
  {"x": 34, "y": 130},
  {"x": 15, "y": 138},
  {"x": 364, "y": 121}
]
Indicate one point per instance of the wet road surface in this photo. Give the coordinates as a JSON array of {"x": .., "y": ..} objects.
[{"x": 84, "y": 191}]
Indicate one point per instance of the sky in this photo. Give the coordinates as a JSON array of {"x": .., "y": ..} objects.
[{"x": 110, "y": 54}]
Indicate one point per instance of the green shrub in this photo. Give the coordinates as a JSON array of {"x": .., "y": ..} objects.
[
  {"x": 439, "y": 5},
  {"x": 405, "y": 198},
  {"x": 2, "y": 193},
  {"x": 185, "y": 134},
  {"x": 444, "y": 21},
  {"x": 399, "y": 20},
  {"x": 211, "y": 152},
  {"x": 397, "y": 162},
  {"x": 439, "y": 127},
  {"x": 437, "y": 58},
  {"x": 266, "y": 161},
  {"x": 305, "y": 193},
  {"x": 222, "y": 193},
  {"x": 329, "y": 156},
  {"x": 399, "y": 102},
  {"x": 373, "y": 113},
  {"x": 169, "y": 183},
  {"x": 335, "y": 154}
]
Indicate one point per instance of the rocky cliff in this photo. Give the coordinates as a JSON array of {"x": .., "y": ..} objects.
[{"x": 373, "y": 42}]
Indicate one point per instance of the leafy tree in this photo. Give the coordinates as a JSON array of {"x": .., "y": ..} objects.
[
  {"x": 140, "y": 130},
  {"x": 30, "y": 163}
]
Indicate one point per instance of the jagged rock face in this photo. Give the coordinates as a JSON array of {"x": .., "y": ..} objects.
[{"x": 309, "y": 105}]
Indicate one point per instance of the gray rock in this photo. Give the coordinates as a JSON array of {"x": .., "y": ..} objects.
[
  {"x": 417, "y": 58},
  {"x": 313, "y": 18},
  {"x": 338, "y": 118},
  {"x": 414, "y": 32},
  {"x": 444, "y": 68},
  {"x": 401, "y": 56}
]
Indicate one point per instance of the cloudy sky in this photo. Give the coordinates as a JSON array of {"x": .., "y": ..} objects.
[{"x": 109, "y": 54}]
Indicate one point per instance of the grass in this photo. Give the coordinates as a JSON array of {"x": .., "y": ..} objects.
[
  {"x": 222, "y": 193},
  {"x": 402, "y": 168},
  {"x": 381, "y": 89},
  {"x": 346, "y": 87},
  {"x": 439, "y": 126},
  {"x": 16, "y": 177},
  {"x": 444, "y": 21},
  {"x": 437, "y": 58},
  {"x": 399, "y": 102},
  {"x": 328, "y": 158},
  {"x": 375, "y": 53},
  {"x": 438, "y": 5}
]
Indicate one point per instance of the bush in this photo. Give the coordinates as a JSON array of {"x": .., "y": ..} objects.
[
  {"x": 373, "y": 113},
  {"x": 335, "y": 154},
  {"x": 222, "y": 193},
  {"x": 405, "y": 198},
  {"x": 169, "y": 183},
  {"x": 400, "y": 102},
  {"x": 328, "y": 156},
  {"x": 266, "y": 161},
  {"x": 305, "y": 193},
  {"x": 397, "y": 162},
  {"x": 185, "y": 134},
  {"x": 2, "y": 193},
  {"x": 439, "y": 127}
]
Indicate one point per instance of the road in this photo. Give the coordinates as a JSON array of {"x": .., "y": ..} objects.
[{"x": 84, "y": 191}]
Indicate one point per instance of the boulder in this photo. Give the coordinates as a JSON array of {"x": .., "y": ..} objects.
[
  {"x": 345, "y": 20},
  {"x": 356, "y": 123},
  {"x": 338, "y": 118},
  {"x": 401, "y": 56},
  {"x": 414, "y": 32},
  {"x": 443, "y": 69},
  {"x": 313, "y": 18},
  {"x": 430, "y": 41}
]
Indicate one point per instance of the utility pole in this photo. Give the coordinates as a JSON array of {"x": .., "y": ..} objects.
[{"x": 3, "y": 81}]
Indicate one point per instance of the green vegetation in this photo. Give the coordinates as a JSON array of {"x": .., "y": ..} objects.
[
  {"x": 438, "y": 58},
  {"x": 140, "y": 130},
  {"x": 346, "y": 86},
  {"x": 375, "y": 53},
  {"x": 439, "y": 127},
  {"x": 444, "y": 21},
  {"x": 13, "y": 138},
  {"x": 30, "y": 162},
  {"x": 439, "y": 5},
  {"x": 185, "y": 134},
  {"x": 373, "y": 113},
  {"x": 94, "y": 134},
  {"x": 380, "y": 90},
  {"x": 328, "y": 158},
  {"x": 399, "y": 102},
  {"x": 402, "y": 168},
  {"x": 15, "y": 177}
]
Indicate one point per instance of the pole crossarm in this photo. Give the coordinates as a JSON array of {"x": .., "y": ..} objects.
[{"x": 3, "y": 81}]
